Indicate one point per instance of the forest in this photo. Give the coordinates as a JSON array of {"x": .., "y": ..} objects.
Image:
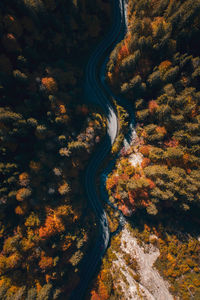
[
  {"x": 157, "y": 68},
  {"x": 47, "y": 135}
]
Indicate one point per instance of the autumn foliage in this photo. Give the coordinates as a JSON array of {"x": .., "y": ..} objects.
[
  {"x": 152, "y": 106},
  {"x": 164, "y": 66},
  {"x": 52, "y": 226},
  {"x": 23, "y": 194},
  {"x": 45, "y": 262},
  {"x": 50, "y": 84},
  {"x": 24, "y": 179},
  {"x": 159, "y": 76},
  {"x": 47, "y": 135},
  {"x": 123, "y": 53}
]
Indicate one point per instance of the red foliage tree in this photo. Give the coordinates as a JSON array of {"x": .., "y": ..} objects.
[
  {"x": 171, "y": 143},
  {"x": 111, "y": 182},
  {"x": 145, "y": 150},
  {"x": 123, "y": 52},
  {"x": 164, "y": 66},
  {"x": 103, "y": 291},
  {"x": 24, "y": 179},
  {"x": 131, "y": 196},
  {"x": 161, "y": 130},
  {"x": 95, "y": 296}
]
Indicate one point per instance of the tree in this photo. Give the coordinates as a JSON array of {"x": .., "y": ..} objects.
[
  {"x": 164, "y": 66},
  {"x": 152, "y": 106},
  {"x": 95, "y": 296},
  {"x": 45, "y": 262},
  {"x": 53, "y": 225},
  {"x": 20, "y": 77},
  {"x": 154, "y": 79},
  {"x": 31, "y": 294},
  {"x": 21, "y": 209},
  {"x": 23, "y": 194},
  {"x": 171, "y": 74},
  {"x": 123, "y": 52},
  {"x": 64, "y": 189},
  {"x": 50, "y": 84},
  {"x": 32, "y": 220},
  {"x": 24, "y": 179},
  {"x": 46, "y": 292},
  {"x": 151, "y": 209}
]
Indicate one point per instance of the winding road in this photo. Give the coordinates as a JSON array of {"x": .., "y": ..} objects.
[{"x": 96, "y": 93}]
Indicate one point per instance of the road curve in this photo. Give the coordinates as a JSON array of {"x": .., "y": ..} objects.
[{"x": 95, "y": 93}]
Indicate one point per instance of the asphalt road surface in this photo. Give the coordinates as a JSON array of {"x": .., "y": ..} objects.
[{"x": 95, "y": 92}]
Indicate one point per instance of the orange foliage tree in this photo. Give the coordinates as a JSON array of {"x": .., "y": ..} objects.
[
  {"x": 21, "y": 209},
  {"x": 111, "y": 182},
  {"x": 152, "y": 106},
  {"x": 145, "y": 150},
  {"x": 50, "y": 84},
  {"x": 164, "y": 66},
  {"x": 24, "y": 179},
  {"x": 161, "y": 130},
  {"x": 95, "y": 296},
  {"x": 52, "y": 226},
  {"x": 123, "y": 52},
  {"x": 146, "y": 161},
  {"x": 46, "y": 262},
  {"x": 35, "y": 166},
  {"x": 23, "y": 194},
  {"x": 103, "y": 291}
]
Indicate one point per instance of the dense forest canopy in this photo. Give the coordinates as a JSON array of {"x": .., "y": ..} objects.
[
  {"x": 155, "y": 182},
  {"x": 157, "y": 67},
  {"x": 47, "y": 135}
]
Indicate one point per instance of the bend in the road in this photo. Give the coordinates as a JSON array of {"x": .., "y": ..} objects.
[{"x": 92, "y": 85}]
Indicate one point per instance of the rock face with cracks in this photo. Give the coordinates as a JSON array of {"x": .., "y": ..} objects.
[{"x": 148, "y": 284}]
